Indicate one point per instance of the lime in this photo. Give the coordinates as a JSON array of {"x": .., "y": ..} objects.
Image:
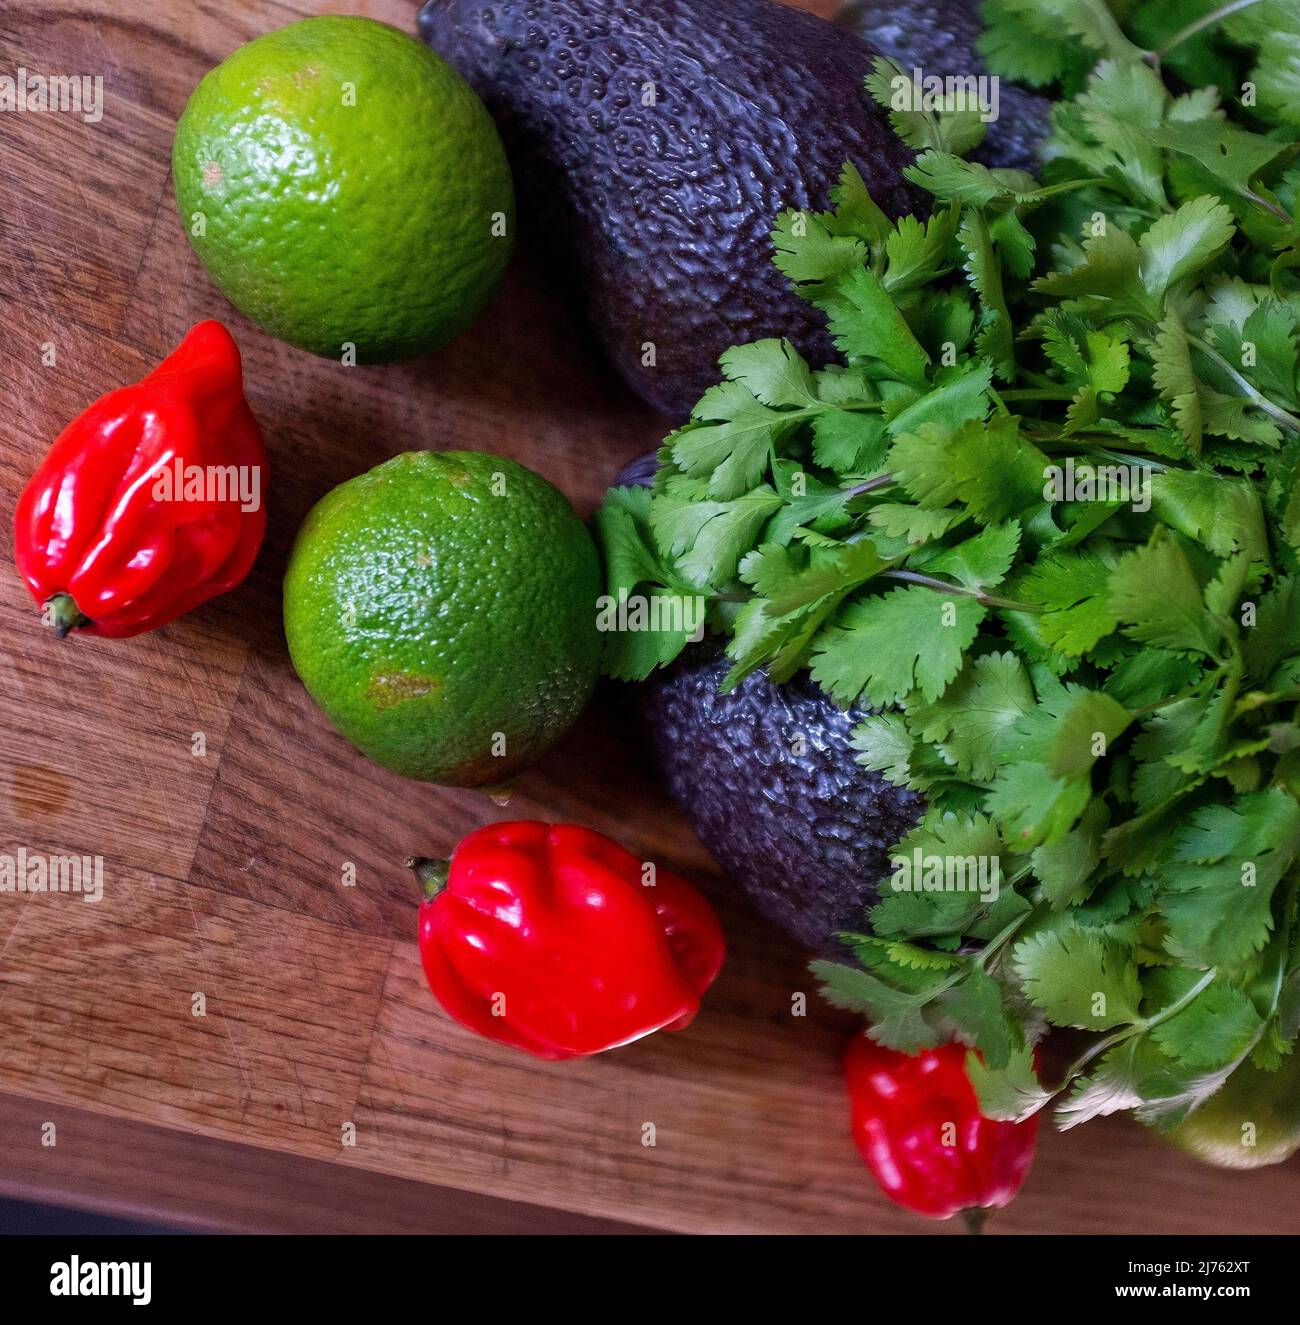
[
  {"x": 344, "y": 187},
  {"x": 1251, "y": 1121},
  {"x": 441, "y": 609}
]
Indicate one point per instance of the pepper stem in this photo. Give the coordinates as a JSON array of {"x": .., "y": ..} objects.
[
  {"x": 974, "y": 1217},
  {"x": 431, "y": 874},
  {"x": 63, "y": 615}
]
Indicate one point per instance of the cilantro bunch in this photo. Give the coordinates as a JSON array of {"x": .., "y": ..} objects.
[{"x": 1101, "y": 690}]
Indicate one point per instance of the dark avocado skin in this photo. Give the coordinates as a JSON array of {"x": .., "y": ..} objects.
[
  {"x": 662, "y": 214},
  {"x": 806, "y": 836},
  {"x": 938, "y": 37}
]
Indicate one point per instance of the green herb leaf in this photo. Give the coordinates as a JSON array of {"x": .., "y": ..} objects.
[
  {"x": 1079, "y": 978},
  {"x": 883, "y": 648}
]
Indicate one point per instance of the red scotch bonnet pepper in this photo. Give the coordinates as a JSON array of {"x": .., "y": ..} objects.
[
  {"x": 150, "y": 502},
  {"x": 557, "y": 941},
  {"x": 917, "y": 1124}
]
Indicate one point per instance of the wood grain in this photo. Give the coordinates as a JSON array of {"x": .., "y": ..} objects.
[
  {"x": 186, "y": 1181},
  {"x": 226, "y": 873}
]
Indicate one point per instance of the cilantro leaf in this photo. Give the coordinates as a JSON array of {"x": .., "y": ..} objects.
[
  {"x": 882, "y": 648},
  {"x": 1114, "y": 1084},
  {"x": 1213, "y": 1030},
  {"x": 868, "y": 327},
  {"x": 1227, "y": 861},
  {"x": 1155, "y": 595},
  {"x": 885, "y": 745},
  {"x": 1094, "y": 689},
  {"x": 996, "y": 338},
  {"x": 951, "y": 179},
  {"x": 987, "y": 467},
  {"x": 1179, "y": 244},
  {"x": 971, "y": 720},
  {"x": 848, "y": 442},
  {"x": 958, "y": 395},
  {"x": 917, "y": 251},
  {"x": 773, "y": 370},
  {"x": 1079, "y": 978},
  {"x": 975, "y": 1004},
  {"x": 708, "y": 538},
  {"x": 814, "y": 257},
  {"x": 897, "y": 1016},
  {"x": 1107, "y": 283},
  {"x": 1010, "y": 1094},
  {"x": 1074, "y": 587},
  {"x": 632, "y": 562},
  {"x": 948, "y": 843},
  {"x": 980, "y": 562}
]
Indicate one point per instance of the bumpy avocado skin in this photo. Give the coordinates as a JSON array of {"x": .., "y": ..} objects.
[
  {"x": 654, "y": 144},
  {"x": 938, "y": 37},
  {"x": 807, "y": 834}
]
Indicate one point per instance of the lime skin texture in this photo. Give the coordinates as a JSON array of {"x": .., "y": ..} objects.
[
  {"x": 343, "y": 186},
  {"x": 441, "y": 610}
]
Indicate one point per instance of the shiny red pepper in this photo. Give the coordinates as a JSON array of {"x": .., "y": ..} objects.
[
  {"x": 918, "y": 1126},
  {"x": 150, "y": 502},
  {"x": 556, "y": 940}
]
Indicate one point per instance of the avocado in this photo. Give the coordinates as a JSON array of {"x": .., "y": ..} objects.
[
  {"x": 768, "y": 778},
  {"x": 938, "y": 37},
  {"x": 654, "y": 144}
]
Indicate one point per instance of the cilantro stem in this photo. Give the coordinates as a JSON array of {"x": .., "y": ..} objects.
[
  {"x": 943, "y": 586},
  {"x": 1033, "y": 393},
  {"x": 1122, "y": 455},
  {"x": 1286, "y": 419},
  {"x": 1187, "y": 692},
  {"x": 1172, "y": 1009},
  {"x": 1200, "y": 24},
  {"x": 870, "y": 485},
  {"x": 997, "y": 945},
  {"x": 1137, "y": 1028},
  {"x": 915, "y": 577},
  {"x": 1059, "y": 444},
  {"x": 1068, "y": 186},
  {"x": 1271, "y": 207}
]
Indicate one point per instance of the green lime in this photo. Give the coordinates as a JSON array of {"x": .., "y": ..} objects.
[
  {"x": 344, "y": 186},
  {"x": 441, "y": 609},
  {"x": 1251, "y": 1121}
]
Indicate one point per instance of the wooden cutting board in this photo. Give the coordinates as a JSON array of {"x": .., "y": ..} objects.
[{"x": 225, "y": 871}]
